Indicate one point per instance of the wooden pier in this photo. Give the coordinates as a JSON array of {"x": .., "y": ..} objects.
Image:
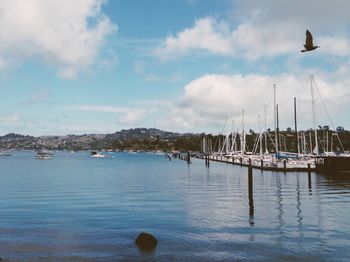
[{"x": 323, "y": 164}]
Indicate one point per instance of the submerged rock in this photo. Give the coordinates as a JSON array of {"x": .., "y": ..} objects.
[{"x": 146, "y": 241}]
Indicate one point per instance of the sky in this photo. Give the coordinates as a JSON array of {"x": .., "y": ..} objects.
[{"x": 98, "y": 66}]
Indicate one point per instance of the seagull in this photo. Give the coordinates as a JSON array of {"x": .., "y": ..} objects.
[{"x": 309, "y": 46}]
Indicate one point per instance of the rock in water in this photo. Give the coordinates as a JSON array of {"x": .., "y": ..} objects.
[{"x": 146, "y": 241}]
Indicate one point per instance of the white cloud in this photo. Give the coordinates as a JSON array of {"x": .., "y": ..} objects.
[
  {"x": 249, "y": 39},
  {"x": 253, "y": 40},
  {"x": 338, "y": 46},
  {"x": 323, "y": 15},
  {"x": 210, "y": 99},
  {"x": 62, "y": 33},
  {"x": 266, "y": 28},
  {"x": 206, "y": 34}
]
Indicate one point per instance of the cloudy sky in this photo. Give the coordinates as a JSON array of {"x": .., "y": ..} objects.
[{"x": 88, "y": 66}]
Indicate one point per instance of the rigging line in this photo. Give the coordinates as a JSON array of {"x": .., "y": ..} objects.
[
  {"x": 328, "y": 115},
  {"x": 218, "y": 138},
  {"x": 256, "y": 144},
  {"x": 234, "y": 135},
  {"x": 274, "y": 145},
  {"x": 232, "y": 132}
]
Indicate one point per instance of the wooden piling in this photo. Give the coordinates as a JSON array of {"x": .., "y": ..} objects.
[
  {"x": 206, "y": 157},
  {"x": 309, "y": 176},
  {"x": 250, "y": 168},
  {"x": 250, "y": 193}
]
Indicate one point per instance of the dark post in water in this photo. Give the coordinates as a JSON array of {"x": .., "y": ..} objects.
[
  {"x": 250, "y": 193},
  {"x": 309, "y": 176}
]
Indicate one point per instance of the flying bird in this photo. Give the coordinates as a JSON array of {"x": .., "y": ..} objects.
[{"x": 309, "y": 46}]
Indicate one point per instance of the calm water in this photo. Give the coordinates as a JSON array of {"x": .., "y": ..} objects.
[{"x": 78, "y": 208}]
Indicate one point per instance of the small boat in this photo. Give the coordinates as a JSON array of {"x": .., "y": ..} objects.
[
  {"x": 4, "y": 153},
  {"x": 43, "y": 155},
  {"x": 97, "y": 154}
]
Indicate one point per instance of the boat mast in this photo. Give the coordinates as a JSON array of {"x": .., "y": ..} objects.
[
  {"x": 266, "y": 151},
  {"x": 274, "y": 117},
  {"x": 295, "y": 123},
  {"x": 314, "y": 114},
  {"x": 219, "y": 143},
  {"x": 303, "y": 142},
  {"x": 232, "y": 140},
  {"x": 243, "y": 135},
  {"x": 332, "y": 142},
  {"x": 227, "y": 143},
  {"x": 211, "y": 146},
  {"x": 279, "y": 144},
  {"x": 260, "y": 138},
  {"x": 204, "y": 146},
  {"x": 310, "y": 137},
  {"x": 235, "y": 143}
]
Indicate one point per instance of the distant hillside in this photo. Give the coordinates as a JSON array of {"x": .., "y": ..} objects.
[
  {"x": 14, "y": 141},
  {"x": 130, "y": 139},
  {"x": 155, "y": 139},
  {"x": 143, "y": 139},
  {"x": 141, "y": 133},
  {"x": 13, "y": 136}
]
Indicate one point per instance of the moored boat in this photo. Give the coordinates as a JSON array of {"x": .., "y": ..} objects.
[
  {"x": 43, "y": 155},
  {"x": 97, "y": 154}
]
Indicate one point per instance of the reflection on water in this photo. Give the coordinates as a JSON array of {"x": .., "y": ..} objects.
[
  {"x": 78, "y": 208},
  {"x": 309, "y": 182}
]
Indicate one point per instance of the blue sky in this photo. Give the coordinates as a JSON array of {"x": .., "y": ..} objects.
[{"x": 96, "y": 66}]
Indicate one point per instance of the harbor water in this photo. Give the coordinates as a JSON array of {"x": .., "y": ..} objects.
[{"x": 77, "y": 208}]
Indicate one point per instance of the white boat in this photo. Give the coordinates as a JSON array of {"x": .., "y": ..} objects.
[
  {"x": 96, "y": 154},
  {"x": 3, "y": 153},
  {"x": 44, "y": 155}
]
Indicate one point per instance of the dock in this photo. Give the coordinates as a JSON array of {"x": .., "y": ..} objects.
[
  {"x": 321, "y": 164},
  {"x": 281, "y": 166}
]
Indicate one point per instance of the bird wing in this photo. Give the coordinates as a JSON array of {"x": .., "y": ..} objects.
[{"x": 308, "y": 42}]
